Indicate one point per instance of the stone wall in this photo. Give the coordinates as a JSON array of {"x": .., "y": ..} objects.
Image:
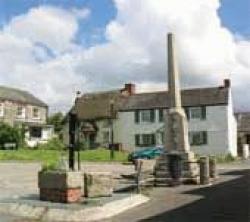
[{"x": 10, "y": 110}]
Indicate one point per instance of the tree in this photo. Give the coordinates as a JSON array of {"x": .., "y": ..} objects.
[
  {"x": 56, "y": 120},
  {"x": 9, "y": 134}
]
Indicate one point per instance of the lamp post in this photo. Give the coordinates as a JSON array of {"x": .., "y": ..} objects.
[
  {"x": 73, "y": 129},
  {"x": 111, "y": 146}
]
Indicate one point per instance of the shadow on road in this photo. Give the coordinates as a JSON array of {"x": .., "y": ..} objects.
[{"x": 225, "y": 202}]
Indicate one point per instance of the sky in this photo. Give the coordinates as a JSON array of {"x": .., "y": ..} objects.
[{"x": 54, "y": 48}]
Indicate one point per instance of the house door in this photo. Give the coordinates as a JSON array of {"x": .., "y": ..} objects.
[{"x": 92, "y": 143}]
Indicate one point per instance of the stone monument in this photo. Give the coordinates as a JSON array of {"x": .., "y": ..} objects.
[{"x": 176, "y": 125}]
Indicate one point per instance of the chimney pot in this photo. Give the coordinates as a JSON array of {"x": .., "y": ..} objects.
[
  {"x": 227, "y": 83},
  {"x": 129, "y": 88}
]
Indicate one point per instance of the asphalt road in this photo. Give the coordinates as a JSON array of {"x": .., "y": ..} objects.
[{"x": 228, "y": 200}]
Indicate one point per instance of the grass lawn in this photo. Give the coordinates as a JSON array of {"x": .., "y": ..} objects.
[{"x": 52, "y": 156}]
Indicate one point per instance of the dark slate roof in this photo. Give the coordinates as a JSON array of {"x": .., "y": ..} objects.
[
  {"x": 17, "y": 95},
  {"x": 97, "y": 105},
  {"x": 243, "y": 121},
  {"x": 190, "y": 97}
]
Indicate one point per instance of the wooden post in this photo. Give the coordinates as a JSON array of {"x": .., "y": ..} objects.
[{"x": 138, "y": 176}]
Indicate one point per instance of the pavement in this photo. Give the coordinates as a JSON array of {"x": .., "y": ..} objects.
[{"x": 227, "y": 200}]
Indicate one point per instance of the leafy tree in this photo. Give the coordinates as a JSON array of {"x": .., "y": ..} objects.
[
  {"x": 56, "y": 120},
  {"x": 9, "y": 134}
]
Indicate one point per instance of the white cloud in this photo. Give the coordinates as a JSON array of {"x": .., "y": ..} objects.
[
  {"x": 136, "y": 51},
  {"x": 38, "y": 52},
  {"x": 54, "y": 27}
]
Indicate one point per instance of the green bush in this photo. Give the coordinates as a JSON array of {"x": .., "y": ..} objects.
[
  {"x": 49, "y": 166},
  {"x": 225, "y": 158},
  {"x": 9, "y": 134},
  {"x": 52, "y": 144}
]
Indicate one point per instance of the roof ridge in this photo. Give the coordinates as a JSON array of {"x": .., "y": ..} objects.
[
  {"x": 182, "y": 90},
  {"x": 21, "y": 95}
]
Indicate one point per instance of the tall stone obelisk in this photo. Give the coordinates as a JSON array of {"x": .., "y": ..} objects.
[
  {"x": 176, "y": 121},
  {"x": 176, "y": 127}
]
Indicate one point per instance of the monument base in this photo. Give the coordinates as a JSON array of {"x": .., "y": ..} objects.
[{"x": 190, "y": 169}]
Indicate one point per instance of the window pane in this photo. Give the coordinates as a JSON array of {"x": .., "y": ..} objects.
[
  {"x": 160, "y": 115},
  {"x": 146, "y": 116},
  {"x": 35, "y": 112},
  {"x": 21, "y": 111},
  {"x": 198, "y": 138},
  {"x": 195, "y": 112}
]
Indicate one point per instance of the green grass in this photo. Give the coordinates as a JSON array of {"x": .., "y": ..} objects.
[{"x": 52, "y": 156}]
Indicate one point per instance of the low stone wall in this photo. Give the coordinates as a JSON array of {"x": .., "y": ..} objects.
[
  {"x": 60, "y": 186},
  {"x": 70, "y": 195},
  {"x": 98, "y": 184}
]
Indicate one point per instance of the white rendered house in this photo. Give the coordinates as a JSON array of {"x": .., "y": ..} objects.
[{"x": 139, "y": 119}]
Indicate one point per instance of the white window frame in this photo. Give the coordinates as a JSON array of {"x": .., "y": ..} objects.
[
  {"x": 23, "y": 114},
  {"x": 1, "y": 109},
  {"x": 147, "y": 136},
  {"x": 38, "y": 113},
  {"x": 145, "y": 116}
]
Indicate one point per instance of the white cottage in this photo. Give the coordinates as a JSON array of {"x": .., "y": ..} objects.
[{"x": 138, "y": 119}]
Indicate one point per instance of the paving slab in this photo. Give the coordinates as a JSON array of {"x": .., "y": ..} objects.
[{"x": 91, "y": 209}]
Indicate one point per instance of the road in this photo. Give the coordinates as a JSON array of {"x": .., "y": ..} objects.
[{"x": 227, "y": 200}]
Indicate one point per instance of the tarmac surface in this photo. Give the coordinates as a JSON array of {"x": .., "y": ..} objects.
[{"x": 227, "y": 200}]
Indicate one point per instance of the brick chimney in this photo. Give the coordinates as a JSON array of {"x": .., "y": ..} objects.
[
  {"x": 227, "y": 83},
  {"x": 129, "y": 89}
]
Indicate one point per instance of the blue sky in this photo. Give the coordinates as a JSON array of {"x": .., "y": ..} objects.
[
  {"x": 233, "y": 13},
  {"x": 102, "y": 11}
]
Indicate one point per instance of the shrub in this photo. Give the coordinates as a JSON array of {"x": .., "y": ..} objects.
[
  {"x": 225, "y": 158},
  {"x": 52, "y": 144},
  {"x": 49, "y": 166},
  {"x": 9, "y": 134}
]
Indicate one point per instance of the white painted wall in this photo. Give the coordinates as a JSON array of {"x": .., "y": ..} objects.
[
  {"x": 232, "y": 127},
  {"x": 216, "y": 125},
  {"x": 47, "y": 134},
  {"x": 128, "y": 129},
  {"x": 219, "y": 123}
]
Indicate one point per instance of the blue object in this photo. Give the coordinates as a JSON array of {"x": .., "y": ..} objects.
[{"x": 147, "y": 153}]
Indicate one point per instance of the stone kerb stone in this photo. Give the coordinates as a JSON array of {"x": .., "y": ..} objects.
[
  {"x": 98, "y": 184},
  {"x": 60, "y": 186}
]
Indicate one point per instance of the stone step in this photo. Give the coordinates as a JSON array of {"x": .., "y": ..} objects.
[
  {"x": 161, "y": 182},
  {"x": 161, "y": 174}
]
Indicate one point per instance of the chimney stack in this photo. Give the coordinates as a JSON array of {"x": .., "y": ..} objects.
[
  {"x": 227, "y": 83},
  {"x": 129, "y": 88}
]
